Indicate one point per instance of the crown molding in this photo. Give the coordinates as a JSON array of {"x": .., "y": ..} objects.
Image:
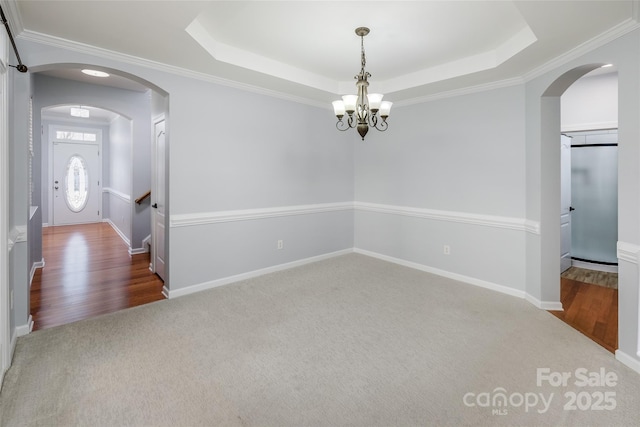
[
  {"x": 600, "y": 40},
  {"x": 12, "y": 13},
  {"x": 35, "y": 37},
  {"x": 462, "y": 91},
  {"x": 608, "y": 36}
]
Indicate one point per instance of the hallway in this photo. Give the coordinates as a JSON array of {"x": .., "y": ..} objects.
[{"x": 88, "y": 272}]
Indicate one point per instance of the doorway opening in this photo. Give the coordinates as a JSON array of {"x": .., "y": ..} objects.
[
  {"x": 90, "y": 251},
  {"x": 589, "y": 207}
]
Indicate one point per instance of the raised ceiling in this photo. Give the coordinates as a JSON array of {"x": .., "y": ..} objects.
[{"x": 308, "y": 49}]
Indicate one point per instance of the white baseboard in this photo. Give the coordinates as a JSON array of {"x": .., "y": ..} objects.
[
  {"x": 120, "y": 233},
  {"x": 137, "y": 251},
  {"x": 544, "y": 305},
  {"x": 627, "y": 360},
  {"x": 165, "y": 291},
  {"x": 444, "y": 273},
  {"x": 594, "y": 266},
  {"x": 25, "y": 329},
  {"x": 249, "y": 275},
  {"x": 12, "y": 345},
  {"x": 34, "y": 267},
  {"x": 146, "y": 243}
]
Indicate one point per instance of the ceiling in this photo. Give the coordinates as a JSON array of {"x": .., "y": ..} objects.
[{"x": 309, "y": 50}]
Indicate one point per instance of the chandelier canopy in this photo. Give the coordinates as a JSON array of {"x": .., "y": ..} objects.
[{"x": 365, "y": 109}]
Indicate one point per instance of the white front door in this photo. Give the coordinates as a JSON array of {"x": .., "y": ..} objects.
[
  {"x": 76, "y": 188},
  {"x": 565, "y": 203},
  {"x": 158, "y": 201}
]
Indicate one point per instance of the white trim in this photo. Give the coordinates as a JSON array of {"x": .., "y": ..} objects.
[
  {"x": 117, "y": 230},
  {"x": 455, "y": 276},
  {"x": 589, "y": 126},
  {"x": 34, "y": 266},
  {"x": 628, "y": 252},
  {"x": 112, "y": 192},
  {"x": 146, "y": 244},
  {"x": 12, "y": 13},
  {"x": 249, "y": 275},
  {"x": 16, "y": 235},
  {"x": 21, "y": 233},
  {"x": 185, "y": 220},
  {"x": 594, "y": 266},
  {"x": 12, "y": 345},
  {"x": 601, "y": 39},
  {"x": 544, "y": 305},
  {"x": 510, "y": 223},
  {"x": 134, "y": 60},
  {"x": 484, "y": 87},
  {"x": 23, "y": 330},
  {"x": 165, "y": 291},
  {"x": 628, "y": 361},
  {"x": 137, "y": 251},
  {"x": 613, "y": 33}
]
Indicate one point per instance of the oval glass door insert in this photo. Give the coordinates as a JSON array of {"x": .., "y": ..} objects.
[{"x": 76, "y": 183}]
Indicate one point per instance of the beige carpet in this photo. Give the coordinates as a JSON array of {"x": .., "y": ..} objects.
[{"x": 351, "y": 341}]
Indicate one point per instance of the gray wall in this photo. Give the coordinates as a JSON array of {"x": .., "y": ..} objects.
[
  {"x": 19, "y": 94},
  {"x": 591, "y": 103},
  {"x": 465, "y": 158},
  {"x": 118, "y": 174}
]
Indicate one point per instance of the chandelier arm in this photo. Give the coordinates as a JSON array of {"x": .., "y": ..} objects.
[
  {"x": 373, "y": 120},
  {"x": 382, "y": 125},
  {"x": 341, "y": 125}
]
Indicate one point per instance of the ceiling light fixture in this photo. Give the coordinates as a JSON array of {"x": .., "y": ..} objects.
[
  {"x": 80, "y": 112},
  {"x": 365, "y": 106},
  {"x": 95, "y": 73}
]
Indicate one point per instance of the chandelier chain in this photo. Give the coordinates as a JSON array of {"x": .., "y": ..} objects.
[{"x": 363, "y": 58}]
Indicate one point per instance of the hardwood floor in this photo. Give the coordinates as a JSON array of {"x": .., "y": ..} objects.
[
  {"x": 88, "y": 271},
  {"x": 602, "y": 278},
  {"x": 591, "y": 309}
]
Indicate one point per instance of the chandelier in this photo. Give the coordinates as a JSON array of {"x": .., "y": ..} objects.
[{"x": 364, "y": 110}]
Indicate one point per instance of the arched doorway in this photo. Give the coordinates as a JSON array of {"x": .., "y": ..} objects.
[
  {"x": 137, "y": 103},
  {"x": 550, "y": 177}
]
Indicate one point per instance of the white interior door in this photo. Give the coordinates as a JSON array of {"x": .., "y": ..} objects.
[
  {"x": 158, "y": 201},
  {"x": 565, "y": 203},
  {"x": 77, "y": 195}
]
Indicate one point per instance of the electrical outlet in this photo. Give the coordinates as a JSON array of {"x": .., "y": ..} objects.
[
  {"x": 447, "y": 250},
  {"x": 280, "y": 244}
]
